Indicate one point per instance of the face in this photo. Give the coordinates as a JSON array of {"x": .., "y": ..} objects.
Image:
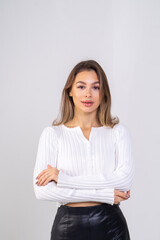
[{"x": 86, "y": 87}]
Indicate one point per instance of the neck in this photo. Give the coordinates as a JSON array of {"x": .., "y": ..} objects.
[{"x": 85, "y": 121}]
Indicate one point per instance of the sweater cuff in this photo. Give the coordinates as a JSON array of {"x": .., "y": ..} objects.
[{"x": 109, "y": 195}]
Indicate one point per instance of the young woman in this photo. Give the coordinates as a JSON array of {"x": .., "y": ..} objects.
[{"x": 85, "y": 161}]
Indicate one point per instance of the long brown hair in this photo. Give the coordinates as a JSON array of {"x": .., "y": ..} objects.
[{"x": 67, "y": 105}]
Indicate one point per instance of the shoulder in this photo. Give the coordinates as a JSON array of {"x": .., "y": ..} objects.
[
  {"x": 121, "y": 130},
  {"x": 50, "y": 133},
  {"x": 48, "y": 129},
  {"x": 120, "y": 127}
]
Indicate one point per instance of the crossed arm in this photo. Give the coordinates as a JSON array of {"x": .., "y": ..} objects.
[
  {"x": 120, "y": 179},
  {"x": 83, "y": 188},
  {"x": 46, "y": 154}
]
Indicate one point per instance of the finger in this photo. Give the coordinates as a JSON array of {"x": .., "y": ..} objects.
[
  {"x": 44, "y": 172},
  {"x": 119, "y": 199},
  {"x": 123, "y": 199},
  {"x": 39, "y": 175},
  {"x": 128, "y": 193},
  {"x": 49, "y": 166},
  {"x": 47, "y": 181},
  {"x": 121, "y": 194},
  {"x": 42, "y": 179}
]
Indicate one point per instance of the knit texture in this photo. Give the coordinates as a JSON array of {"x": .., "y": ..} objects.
[{"x": 89, "y": 170}]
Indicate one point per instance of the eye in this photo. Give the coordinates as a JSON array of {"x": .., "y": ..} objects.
[
  {"x": 96, "y": 87},
  {"x": 80, "y": 86}
]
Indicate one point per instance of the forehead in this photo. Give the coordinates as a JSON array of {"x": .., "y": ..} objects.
[{"x": 87, "y": 77}]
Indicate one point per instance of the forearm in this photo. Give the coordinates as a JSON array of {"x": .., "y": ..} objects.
[
  {"x": 53, "y": 193},
  {"x": 121, "y": 179}
]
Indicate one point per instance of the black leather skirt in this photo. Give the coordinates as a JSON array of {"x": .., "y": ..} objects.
[{"x": 98, "y": 222}]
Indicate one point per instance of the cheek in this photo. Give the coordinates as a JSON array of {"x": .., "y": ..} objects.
[
  {"x": 78, "y": 95},
  {"x": 97, "y": 99},
  {"x": 77, "y": 98},
  {"x": 96, "y": 95}
]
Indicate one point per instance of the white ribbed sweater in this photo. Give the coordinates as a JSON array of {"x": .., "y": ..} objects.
[{"x": 89, "y": 170}]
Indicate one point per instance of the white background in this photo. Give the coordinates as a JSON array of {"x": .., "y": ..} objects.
[{"x": 41, "y": 41}]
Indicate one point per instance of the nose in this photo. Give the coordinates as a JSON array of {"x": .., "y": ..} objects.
[{"x": 88, "y": 92}]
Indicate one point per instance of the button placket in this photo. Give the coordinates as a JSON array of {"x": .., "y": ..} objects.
[{"x": 89, "y": 158}]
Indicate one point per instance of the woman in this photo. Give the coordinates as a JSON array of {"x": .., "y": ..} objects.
[{"x": 85, "y": 162}]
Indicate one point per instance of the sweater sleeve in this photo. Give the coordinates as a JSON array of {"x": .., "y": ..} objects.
[
  {"x": 47, "y": 154},
  {"x": 121, "y": 178}
]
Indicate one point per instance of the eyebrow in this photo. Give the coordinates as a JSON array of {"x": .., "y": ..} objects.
[{"x": 85, "y": 83}]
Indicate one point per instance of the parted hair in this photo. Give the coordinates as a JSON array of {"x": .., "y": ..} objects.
[{"x": 66, "y": 112}]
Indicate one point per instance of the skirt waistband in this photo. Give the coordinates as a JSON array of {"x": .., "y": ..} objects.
[{"x": 87, "y": 209}]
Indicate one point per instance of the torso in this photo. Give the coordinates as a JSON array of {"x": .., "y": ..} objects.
[{"x": 82, "y": 204}]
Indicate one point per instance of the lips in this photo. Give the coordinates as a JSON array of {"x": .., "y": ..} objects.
[{"x": 87, "y": 102}]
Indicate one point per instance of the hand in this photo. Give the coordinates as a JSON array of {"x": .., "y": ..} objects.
[
  {"x": 47, "y": 175},
  {"x": 120, "y": 196}
]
